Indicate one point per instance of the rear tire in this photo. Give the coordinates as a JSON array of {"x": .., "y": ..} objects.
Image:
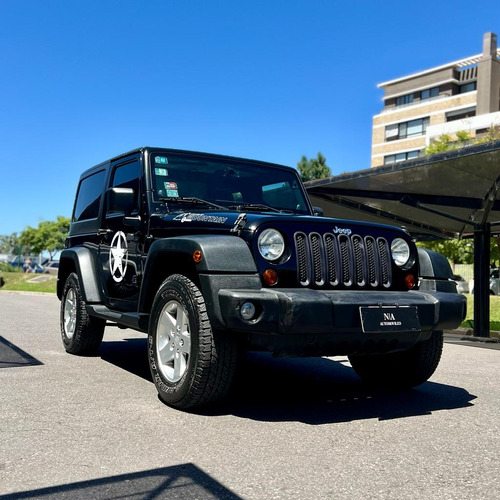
[
  {"x": 191, "y": 364},
  {"x": 401, "y": 370},
  {"x": 81, "y": 333}
]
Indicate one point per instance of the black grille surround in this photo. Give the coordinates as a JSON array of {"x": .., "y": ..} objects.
[{"x": 342, "y": 261}]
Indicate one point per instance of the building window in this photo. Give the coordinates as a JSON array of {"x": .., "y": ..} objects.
[
  {"x": 404, "y": 99},
  {"x": 409, "y": 155},
  {"x": 460, "y": 114},
  {"x": 406, "y": 129},
  {"x": 468, "y": 87},
  {"x": 428, "y": 93}
]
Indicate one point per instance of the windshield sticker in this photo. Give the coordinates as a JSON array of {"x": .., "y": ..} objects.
[
  {"x": 161, "y": 159},
  {"x": 161, "y": 172},
  {"x": 200, "y": 218},
  {"x": 171, "y": 188}
]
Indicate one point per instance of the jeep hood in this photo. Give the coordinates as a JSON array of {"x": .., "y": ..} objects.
[{"x": 233, "y": 221}]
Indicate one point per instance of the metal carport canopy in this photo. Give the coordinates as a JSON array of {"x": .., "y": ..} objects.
[{"x": 447, "y": 195}]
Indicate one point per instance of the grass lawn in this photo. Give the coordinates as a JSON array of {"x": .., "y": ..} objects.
[
  {"x": 18, "y": 281},
  {"x": 494, "y": 312}
]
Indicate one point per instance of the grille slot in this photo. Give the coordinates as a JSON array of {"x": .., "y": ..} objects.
[
  {"x": 346, "y": 261},
  {"x": 385, "y": 267}
]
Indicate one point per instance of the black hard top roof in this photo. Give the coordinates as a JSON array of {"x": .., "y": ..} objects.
[{"x": 188, "y": 152}]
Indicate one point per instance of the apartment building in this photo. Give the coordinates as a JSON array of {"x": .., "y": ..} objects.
[{"x": 461, "y": 95}]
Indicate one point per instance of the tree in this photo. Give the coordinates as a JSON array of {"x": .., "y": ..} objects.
[
  {"x": 9, "y": 244},
  {"x": 315, "y": 168},
  {"x": 445, "y": 143},
  {"x": 440, "y": 145},
  {"x": 48, "y": 237},
  {"x": 461, "y": 251}
]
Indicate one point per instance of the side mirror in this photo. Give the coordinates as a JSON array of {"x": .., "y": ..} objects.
[
  {"x": 120, "y": 200},
  {"x": 318, "y": 211}
]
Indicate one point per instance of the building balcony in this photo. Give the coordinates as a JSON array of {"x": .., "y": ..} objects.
[
  {"x": 471, "y": 124},
  {"x": 416, "y": 103}
]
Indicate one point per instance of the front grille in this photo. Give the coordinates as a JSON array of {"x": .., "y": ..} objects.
[{"x": 342, "y": 261}]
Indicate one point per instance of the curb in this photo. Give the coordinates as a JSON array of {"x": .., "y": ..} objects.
[
  {"x": 468, "y": 334},
  {"x": 18, "y": 292}
]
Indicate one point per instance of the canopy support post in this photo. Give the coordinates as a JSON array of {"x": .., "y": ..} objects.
[{"x": 481, "y": 281}]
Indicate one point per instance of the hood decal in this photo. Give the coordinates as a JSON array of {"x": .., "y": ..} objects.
[
  {"x": 239, "y": 223},
  {"x": 190, "y": 217}
]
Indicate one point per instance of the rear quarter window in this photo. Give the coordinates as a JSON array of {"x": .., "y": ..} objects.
[{"x": 88, "y": 197}]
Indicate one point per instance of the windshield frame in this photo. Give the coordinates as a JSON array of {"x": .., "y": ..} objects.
[{"x": 216, "y": 171}]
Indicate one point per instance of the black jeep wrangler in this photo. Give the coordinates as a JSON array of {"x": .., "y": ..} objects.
[{"x": 211, "y": 255}]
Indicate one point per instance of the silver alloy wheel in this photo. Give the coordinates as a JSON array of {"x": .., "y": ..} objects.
[
  {"x": 70, "y": 309},
  {"x": 173, "y": 341}
]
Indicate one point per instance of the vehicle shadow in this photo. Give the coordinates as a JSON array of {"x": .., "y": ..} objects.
[
  {"x": 129, "y": 354},
  {"x": 309, "y": 390},
  {"x": 324, "y": 390}
]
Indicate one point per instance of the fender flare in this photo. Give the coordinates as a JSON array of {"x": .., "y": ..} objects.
[
  {"x": 220, "y": 254},
  {"x": 433, "y": 265},
  {"x": 81, "y": 261},
  {"x": 435, "y": 272}
]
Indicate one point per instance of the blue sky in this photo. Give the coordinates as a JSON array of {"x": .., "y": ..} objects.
[{"x": 84, "y": 80}]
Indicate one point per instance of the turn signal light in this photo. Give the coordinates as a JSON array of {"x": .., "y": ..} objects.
[
  {"x": 197, "y": 256},
  {"x": 409, "y": 281},
  {"x": 270, "y": 277}
]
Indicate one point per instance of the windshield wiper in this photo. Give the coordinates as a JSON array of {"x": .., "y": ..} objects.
[
  {"x": 255, "y": 206},
  {"x": 193, "y": 201}
]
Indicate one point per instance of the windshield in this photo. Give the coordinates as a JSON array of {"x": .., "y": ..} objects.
[{"x": 212, "y": 183}]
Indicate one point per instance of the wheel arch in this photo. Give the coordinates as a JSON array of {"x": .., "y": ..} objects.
[
  {"x": 79, "y": 260},
  {"x": 220, "y": 254}
]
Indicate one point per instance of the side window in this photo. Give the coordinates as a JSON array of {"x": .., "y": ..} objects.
[
  {"x": 89, "y": 197},
  {"x": 128, "y": 175}
]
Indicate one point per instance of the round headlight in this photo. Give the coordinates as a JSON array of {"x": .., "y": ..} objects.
[
  {"x": 400, "y": 252},
  {"x": 271, "y": 244}
]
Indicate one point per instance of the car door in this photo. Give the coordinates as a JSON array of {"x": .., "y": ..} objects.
[{"x": 121, "y": 243}]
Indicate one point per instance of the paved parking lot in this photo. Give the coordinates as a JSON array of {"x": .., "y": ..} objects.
[{"x": 93, "y": 427}]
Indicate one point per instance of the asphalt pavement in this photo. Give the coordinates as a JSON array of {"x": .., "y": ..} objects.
[{"x": 93, "y": 427}]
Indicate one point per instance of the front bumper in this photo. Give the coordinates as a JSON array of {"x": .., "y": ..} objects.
[{"x": 316, "y": 322}]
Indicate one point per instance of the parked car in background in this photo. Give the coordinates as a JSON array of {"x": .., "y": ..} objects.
[
  {"x": 494, "y": 282},
  {"x": 28, "y": 267},
  {"x": 36, "y": 268},
  {"x": 51, "y": 267},
  {"x": 462, "y": 285}
]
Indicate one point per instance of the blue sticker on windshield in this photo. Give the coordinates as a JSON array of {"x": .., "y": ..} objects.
[
  {"x": 161, "y": 159},
  {"x": 162, "y": 172},
  {"x": 171, "y": 188}
]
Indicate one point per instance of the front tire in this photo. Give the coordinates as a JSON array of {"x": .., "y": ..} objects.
[
  {"x": 81, "y": 333},
  {"x": 401, "y": 370},
  {"x": 191, "y": 364}
]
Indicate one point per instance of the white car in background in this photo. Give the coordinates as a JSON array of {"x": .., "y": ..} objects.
[
  {"x": 462, "y": 285},
  {"x": 494, "y": 282},
  {"x": 52, "y": 267}
]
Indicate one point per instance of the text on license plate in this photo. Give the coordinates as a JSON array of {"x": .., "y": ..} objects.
[{"x": 389, "y": 319}]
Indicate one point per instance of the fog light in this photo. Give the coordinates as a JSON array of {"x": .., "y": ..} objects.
[{"x": 247, "y": 311}]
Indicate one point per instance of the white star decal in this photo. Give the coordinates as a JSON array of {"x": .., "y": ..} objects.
[{"x": 118, "y": 256}]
